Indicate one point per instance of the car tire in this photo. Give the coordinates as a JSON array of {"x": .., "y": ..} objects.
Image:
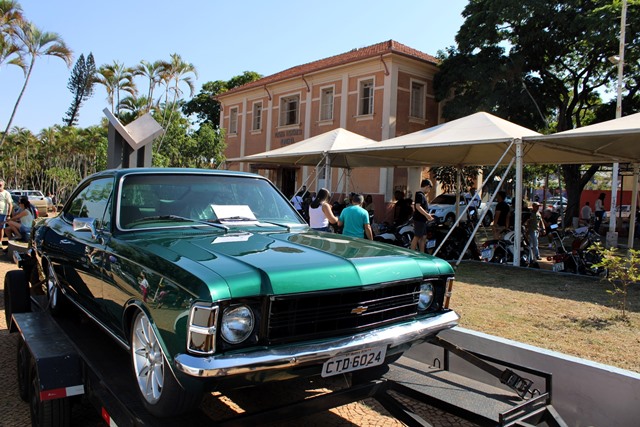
[
  {"x": 16, "y": 296},
  {"x": 58, "y": 303},
  {"x": 161, "y": 393}
]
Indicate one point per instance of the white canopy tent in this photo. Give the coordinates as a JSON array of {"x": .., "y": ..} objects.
[
  {"x": 315, "y": 151},
  {"x": 616, "y": 140},
  {"x": 478, "y": 139}
]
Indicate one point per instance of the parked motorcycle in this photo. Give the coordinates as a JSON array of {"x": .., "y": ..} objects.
[
  {"x": 502, "y": 250},
  {"x": 455, "y": 243},
  {"x": 399, "y": 235},
  {"x": 580, "y": 257}
]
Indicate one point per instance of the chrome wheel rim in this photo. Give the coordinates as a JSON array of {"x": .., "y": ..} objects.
[
  {"x": 52, "y": 289},
  {"x": 148, "y": 362}
]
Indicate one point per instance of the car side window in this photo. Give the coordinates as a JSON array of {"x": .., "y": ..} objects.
[{"x": 91, "y": 202}]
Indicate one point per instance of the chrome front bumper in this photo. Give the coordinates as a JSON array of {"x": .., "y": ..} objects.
[{"x": 290, "y": 356}]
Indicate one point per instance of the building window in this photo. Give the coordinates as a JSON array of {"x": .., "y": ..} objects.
[
  {"x": 417, "y": 100},
  {"x": 233, "y": 120},
  {"x": 257, "y": 116},
  {"x": 289, "y": 109},
  {"x": 366, "y": 97},
  {"x": 326, "y": 104}
]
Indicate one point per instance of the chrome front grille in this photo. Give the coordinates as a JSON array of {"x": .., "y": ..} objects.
[{"x": 316, "y": 315}]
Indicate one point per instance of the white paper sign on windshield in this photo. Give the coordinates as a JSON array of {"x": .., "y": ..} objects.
[{"x": 234, "y": 214}]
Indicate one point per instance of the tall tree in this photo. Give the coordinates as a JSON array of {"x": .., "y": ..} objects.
[
  {"x": 83, "y": 77},
  {"x": 116, "y": 78},
  {"x": 36, "y": 43},
  {"x": 10, "y": 19},
  {"x": 539, "y": 63},
  {"x": 175, "y": 73},
  {"x": 204, "y": 105},
  {"x": 153, "y": 72}
]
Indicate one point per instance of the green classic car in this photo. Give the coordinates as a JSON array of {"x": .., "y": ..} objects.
[{"x": 211, "y": 280}]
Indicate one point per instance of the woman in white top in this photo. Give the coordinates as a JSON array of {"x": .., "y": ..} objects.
[
  {"x": 320, "y": 213},
  {"x": 20, "y": 230}
]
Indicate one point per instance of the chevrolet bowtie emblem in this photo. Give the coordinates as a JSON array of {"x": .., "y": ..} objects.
[{"x": 359, "y": 310}]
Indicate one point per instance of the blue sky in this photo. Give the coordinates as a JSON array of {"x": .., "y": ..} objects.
[{"x": 221, "y": 39}]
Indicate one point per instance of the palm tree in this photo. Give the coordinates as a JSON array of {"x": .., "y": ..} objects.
[
  {"x": 37, "y": 43},
  {"x": 153, "y": 72},
  {"x": 176, "y": 72},
  {"x": 10, "y": 19},
  {"x": 116, "y": 78}
]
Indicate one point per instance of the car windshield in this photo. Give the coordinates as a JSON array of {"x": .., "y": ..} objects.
[
  {"x": 445, "y": 199},
  {"x": 184, "y": 200}
]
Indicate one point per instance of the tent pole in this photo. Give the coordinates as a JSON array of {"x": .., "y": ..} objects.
[
  {"x": 634, "y": 205},
  {"x": 327, "y": 171},
  {"x": 518, "y": 219}
]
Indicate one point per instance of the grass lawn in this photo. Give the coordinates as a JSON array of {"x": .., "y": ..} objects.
[{"x": 570, "y": 314}]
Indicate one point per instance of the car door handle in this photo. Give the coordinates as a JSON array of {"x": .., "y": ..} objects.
[{"x": 66, "y": 242}]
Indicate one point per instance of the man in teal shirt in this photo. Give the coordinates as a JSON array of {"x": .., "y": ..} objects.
[{"x": 355, "y": 219}]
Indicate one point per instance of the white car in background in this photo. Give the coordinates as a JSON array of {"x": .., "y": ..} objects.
[
  {"x": 443, "y": 208},
  {"x": 36, "y": 198}
]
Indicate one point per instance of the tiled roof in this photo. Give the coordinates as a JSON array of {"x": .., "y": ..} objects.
[{"x": 354, "y": 55}]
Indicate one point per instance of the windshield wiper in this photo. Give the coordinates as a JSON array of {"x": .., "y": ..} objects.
[
  {"x": 235, "y": 219},
  {"x": 246, "y": 219},
  {"x": 178, "y": 218}
]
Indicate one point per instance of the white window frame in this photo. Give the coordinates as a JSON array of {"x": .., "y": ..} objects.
[
  {"x": 256, "y": 119},
  {"x": 418, "y": 101},
  {"x": 327, "y": 96},
  {"x": 366, "y": 98},
  {"x": 286, "y": 112},
  {"x": 233, "y": 120}
]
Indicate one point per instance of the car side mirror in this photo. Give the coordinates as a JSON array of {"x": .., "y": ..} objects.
[{"x": 85, "y": 224}]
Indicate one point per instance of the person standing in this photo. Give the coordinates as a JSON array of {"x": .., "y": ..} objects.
[
  {"x": 535, "y": 224},
  {"x": 585, "y": 214},
  {"x": 421, "y": 216},
  {"x": 599, "y": 212},
  {"x": 320, "y": 213},
  {"x": 502, "y": 214},
  {"x": 297, "y": 201},
  {"x": 6, "y": 206},
  {"x": 355, "y": 219},
  {"x": 144, "y": 286}
]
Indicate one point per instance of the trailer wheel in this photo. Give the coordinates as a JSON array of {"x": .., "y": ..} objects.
[
  {"x": 16, "y": 296},
  {"x": 24, "y": 364},
  {"x": 48, "y": 413},
  {"x": 161, "y": 393}
]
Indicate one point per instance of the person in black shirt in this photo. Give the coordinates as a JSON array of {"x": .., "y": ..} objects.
[
  {"x": 502, "y": 214},
  {"x": 420, "y": 216}
]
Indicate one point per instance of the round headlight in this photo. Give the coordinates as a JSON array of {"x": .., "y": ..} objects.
[
  {"x": 426, "y": 296},
  {"x": 237, "y": 324}
]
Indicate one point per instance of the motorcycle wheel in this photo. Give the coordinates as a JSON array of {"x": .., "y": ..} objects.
[{"x": 405, "y": 239}]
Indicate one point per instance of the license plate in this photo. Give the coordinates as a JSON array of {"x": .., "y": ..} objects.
[
  {"x": 353, "y": 361},
  {"x": 487, "y": 253},
  {"x": 558, "y": 266},
  {"x": 431, "y": 243}
]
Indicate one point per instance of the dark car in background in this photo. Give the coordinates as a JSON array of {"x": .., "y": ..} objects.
[{"x": 211, "y": 280}]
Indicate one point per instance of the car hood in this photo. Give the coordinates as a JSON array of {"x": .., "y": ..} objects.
[
  {"x": 236, "y": 265},
  {"x": 442, "y": 207}
]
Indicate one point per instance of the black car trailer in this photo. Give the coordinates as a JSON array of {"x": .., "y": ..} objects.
[{"x": 62, "y": 361}]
